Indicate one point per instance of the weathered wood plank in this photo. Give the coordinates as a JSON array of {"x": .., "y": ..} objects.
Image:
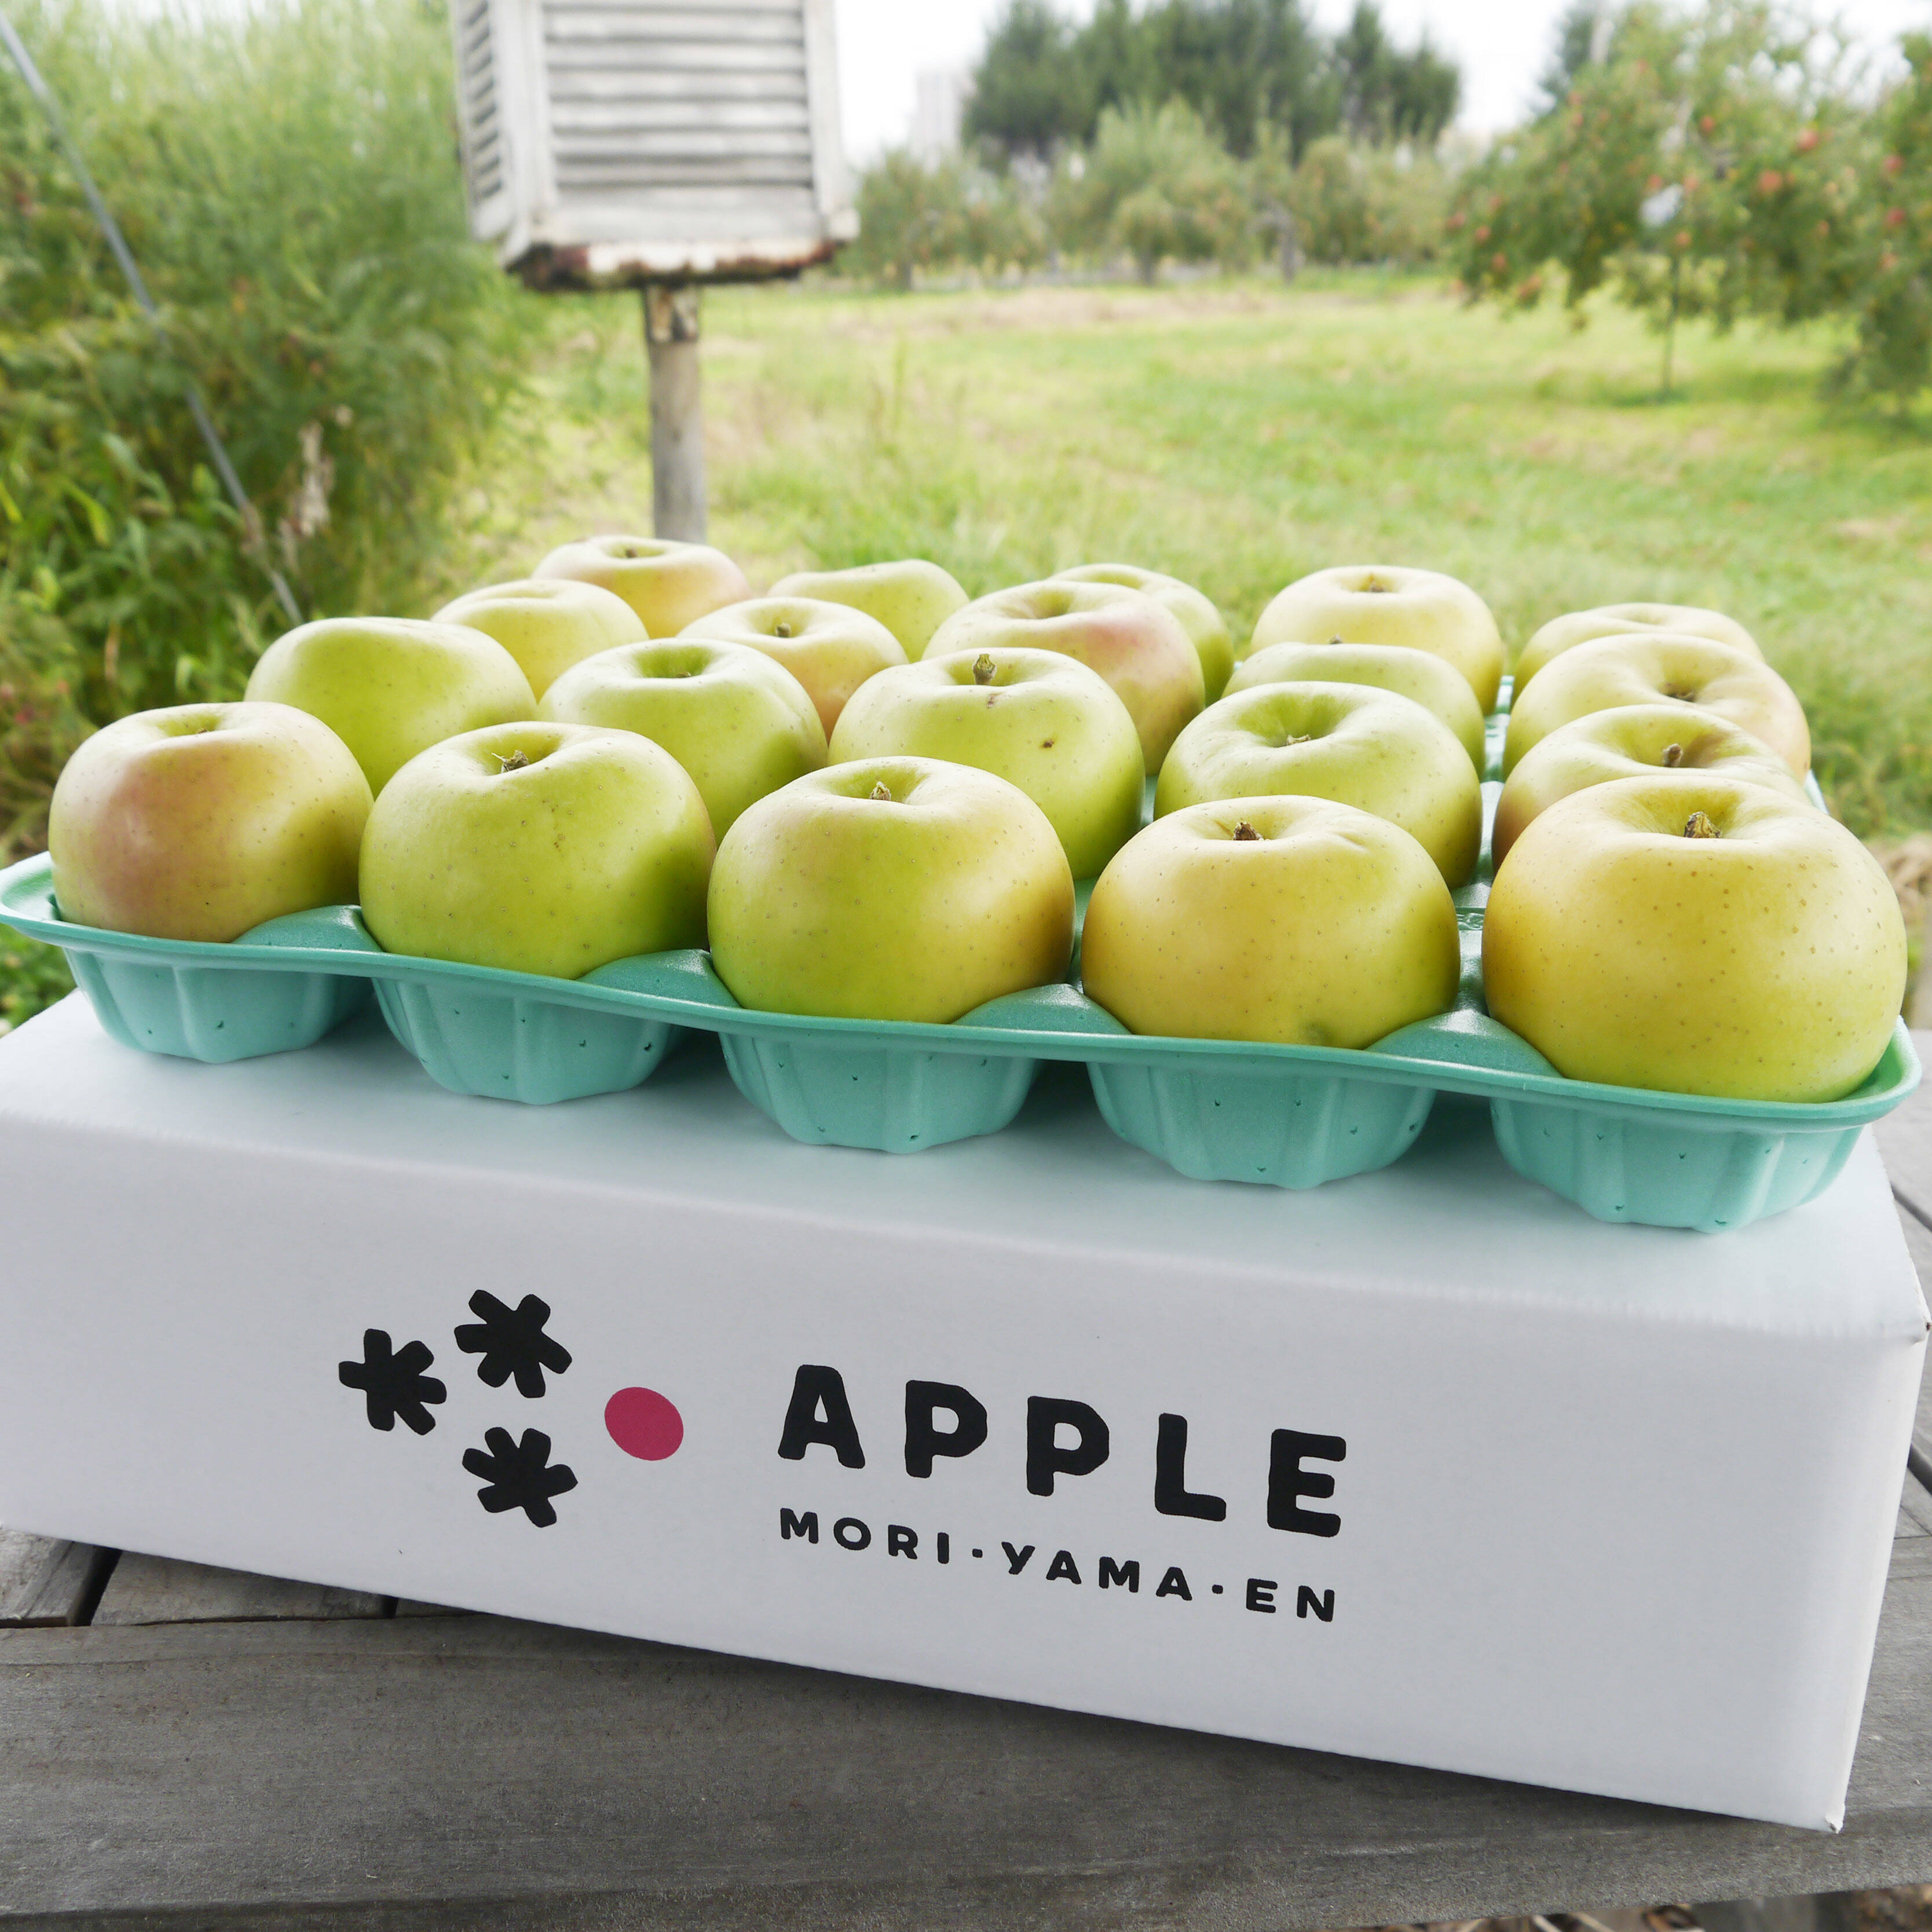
[
  {"x": 1915, "y": 1511},
  {"x": 44, "y": 1580},
  {"x": 408, "y": 1606},
  {"x": 159, "y": 1590},
  {"x": 557, "y": 1777}
]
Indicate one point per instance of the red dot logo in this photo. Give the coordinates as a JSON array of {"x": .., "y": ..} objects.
[{"x": 644, "y": 1423}]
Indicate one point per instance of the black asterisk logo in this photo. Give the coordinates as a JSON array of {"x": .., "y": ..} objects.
[
  {"x": 511, "y": 1342},
  {"x": 519, "y": 1475},
  {"x": 393, "y": 1383}
]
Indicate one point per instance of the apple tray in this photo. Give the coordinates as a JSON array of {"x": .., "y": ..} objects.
[{"x": 1217, "y": 1110}]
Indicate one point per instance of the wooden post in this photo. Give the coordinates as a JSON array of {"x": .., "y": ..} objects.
[{"x": 677, "y": 417}]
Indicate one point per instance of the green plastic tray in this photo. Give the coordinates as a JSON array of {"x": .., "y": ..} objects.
[{"x": 1290, "y": 1117}]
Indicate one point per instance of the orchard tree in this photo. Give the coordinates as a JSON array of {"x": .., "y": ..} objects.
[
  {"x": 908, "y": 216},
  {"x": 1389, "y": 95},
  {"x": 1243, "y": 67},
  {"x": 1030, "y": 92},
  {"x": 1704, "y": 164},
  {"x": 1158, "y": 186},
  {"x": 1891, "y": 242},
  {"x": 1355, "y": 204},
  {"x": 951, "y": 214}
]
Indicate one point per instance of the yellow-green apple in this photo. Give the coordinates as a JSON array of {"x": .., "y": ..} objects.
[
  {"x": 1295, "y": 919},
  {"x": 1697, "y": 935},
  {"x": 1044, "y": 722},
  {"x": 831, "y": 649},
  {"x": 911, "y": 597},
  {"x": 547, "y": 623},
  {"x": 666, "y": 582},
  {"x": 391, "y": 687},
  {"x": 892, "y": 888},
  {"x": 1198, "y": 617},
  {"x": 1628, "y": 620},
  {"x": 1634, "y": 741},
  {"x": 1375, "y": 750},
  {"x": 201, "y": 821},
  {"x": 537, "y": 847},
  {"x": 1434, "y": 683},
  {"x": 1663, "y": 668},
  {"x": 1135, "y": 642},
  {"x": 1382, "y": 604},
  {"x": 736, "y": 720}
]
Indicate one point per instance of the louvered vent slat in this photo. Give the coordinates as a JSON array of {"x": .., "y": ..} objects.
[
  {"x": 576, "y": 23},
  {"x": 747, "y": 118},
  {"x": 476, "y": 82},
  {"x": 654, "y": 95},
  {"x": 697, "y": 92},
  {"x": 689, "y": 57}
]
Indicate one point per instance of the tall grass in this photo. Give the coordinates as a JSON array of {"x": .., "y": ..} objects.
[
  {"x": 287, "y": 178},
  {"x": 1239, "y": 434}
]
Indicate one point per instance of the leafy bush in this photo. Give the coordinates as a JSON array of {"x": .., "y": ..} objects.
[
  {"x": 41, "y": 718},
  {"x": 287, "y": 180},
  {"x": 31, "y": 976}
]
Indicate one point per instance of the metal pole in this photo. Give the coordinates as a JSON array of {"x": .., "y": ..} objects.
[
  {"x": 251, "y": 524},
  {"x": 677, "y": 416}
]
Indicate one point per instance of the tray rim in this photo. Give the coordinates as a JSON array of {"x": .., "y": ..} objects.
[{"x": 30, "y": 880}]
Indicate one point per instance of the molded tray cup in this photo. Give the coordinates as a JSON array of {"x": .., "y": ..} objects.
[
  {"x": 505, "y": 1035},
  {"x": 1288, "y": 1116},
  {"x": 185, "y": 998},
  {"x": 521, "y": 1046},
  {"x": 1265, "y": 1122},
  {"x": 1664, "y": 1170},
  {"x": 1664, "y": 1160},
  {"x": 844, "y": 1092},
  {"x": 211, "y": 1013}
]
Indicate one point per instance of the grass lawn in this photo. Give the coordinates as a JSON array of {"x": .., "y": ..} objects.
[{"x": 1239, "y": 435}]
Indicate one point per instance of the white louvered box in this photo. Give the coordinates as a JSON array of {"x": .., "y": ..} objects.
[{"x": 610, "y": 142}]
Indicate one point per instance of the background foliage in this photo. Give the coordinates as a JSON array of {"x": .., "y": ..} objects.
[
  {"x": 1242, "y": 67},
  {"x": 287, "y": 180},
  {"x": 1719, "y": 161}
]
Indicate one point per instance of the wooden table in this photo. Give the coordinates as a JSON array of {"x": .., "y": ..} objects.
[{"x": 186, "y": 1747}]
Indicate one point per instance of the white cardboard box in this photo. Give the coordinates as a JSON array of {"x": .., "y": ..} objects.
[{"x": 1470, "y": 1481}]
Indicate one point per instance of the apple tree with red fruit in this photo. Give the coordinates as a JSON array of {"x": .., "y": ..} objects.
[{"x": 1708, "y": 165}]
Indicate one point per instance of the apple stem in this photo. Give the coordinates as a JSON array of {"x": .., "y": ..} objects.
[
  {"x": 1244, "y": 832},
  {"x": 515, "y": 762},
  {"x": 1671, "y": 755},
  {"x": 1697, "y": 825},
  {"x": 883, "y": 792},
  {"x": 982, "y": 668}
]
